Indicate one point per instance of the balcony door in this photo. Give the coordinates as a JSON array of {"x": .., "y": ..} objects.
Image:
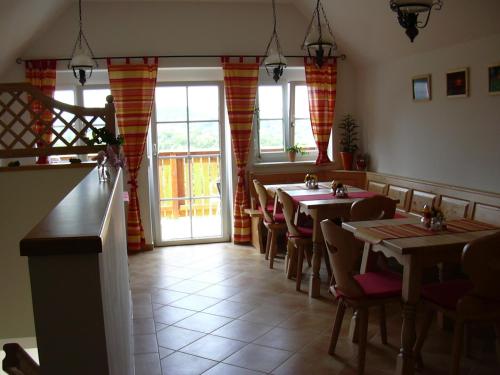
[{"x": 189, "y": 173}]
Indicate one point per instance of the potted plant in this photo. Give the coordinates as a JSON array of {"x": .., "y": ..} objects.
[
  {"x": 348, "y": 141},
  {"x": 293, "y": 151}
]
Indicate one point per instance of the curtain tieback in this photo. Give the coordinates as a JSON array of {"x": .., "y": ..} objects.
[{"x": 133, "y": 183}]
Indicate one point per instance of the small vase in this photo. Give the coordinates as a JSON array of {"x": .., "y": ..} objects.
[
  {"x": 346, "y": 160},
  {"x": 292, "y": 155}
]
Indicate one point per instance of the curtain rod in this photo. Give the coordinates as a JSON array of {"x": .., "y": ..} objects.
[{"x": 20, "y": 60}]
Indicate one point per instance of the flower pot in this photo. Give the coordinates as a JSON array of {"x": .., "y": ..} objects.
[
  {"x": 292, "y": 155},
  {"x": 346, "y": 160}
]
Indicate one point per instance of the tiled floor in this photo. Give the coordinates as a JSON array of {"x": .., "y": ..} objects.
[{"x": 218, "y": 309}]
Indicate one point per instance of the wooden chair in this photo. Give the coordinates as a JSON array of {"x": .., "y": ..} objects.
[
  {"x": 378, "y": 207},
  {"x": 275, "y": 223},
  {"x": 18, "y": 362},
  {"x": 360, "y": 291},
  {"x": 299, "y": 243},
  {"x": 476, "y": 299}
]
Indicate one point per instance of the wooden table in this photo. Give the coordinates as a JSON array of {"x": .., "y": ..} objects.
[
  {"x": 415, "y": 254},
  {"x": 319, "y": 210}
]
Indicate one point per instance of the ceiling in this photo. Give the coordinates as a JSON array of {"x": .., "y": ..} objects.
[{"x": 366, "y": 30}]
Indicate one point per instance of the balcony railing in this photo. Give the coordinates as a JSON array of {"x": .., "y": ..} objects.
[{"x": 189, "y": 183}]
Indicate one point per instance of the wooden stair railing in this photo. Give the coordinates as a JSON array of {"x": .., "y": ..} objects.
[{"x": 18, "y": 362}]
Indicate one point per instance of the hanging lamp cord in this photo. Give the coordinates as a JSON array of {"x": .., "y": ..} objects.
[{"x": 274, "y": 35}]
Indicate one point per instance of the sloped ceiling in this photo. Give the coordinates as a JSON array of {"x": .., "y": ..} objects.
[
  {"x": 21, "y": 21},
  {"x": 366, "y": 30}
]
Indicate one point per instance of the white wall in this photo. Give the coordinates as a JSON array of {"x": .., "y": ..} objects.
[
  {"x": 26, "y": 196},
  {"x": 453, "y": 141}
]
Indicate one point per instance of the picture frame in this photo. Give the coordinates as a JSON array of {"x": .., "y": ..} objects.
[
  {"x": 421, "y": 88},
  {"x": 494, "y": 79},
  {"x": 457, "y": 83}
]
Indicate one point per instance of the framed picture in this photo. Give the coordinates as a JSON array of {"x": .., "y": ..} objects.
[
  {"x": 494, "y": 79},
  {"x": 421, "y": 88},
  {"x": 457, "y": 83}
]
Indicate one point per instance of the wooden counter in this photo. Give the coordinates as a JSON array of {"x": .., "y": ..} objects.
[{"x": 77, "y": 258}]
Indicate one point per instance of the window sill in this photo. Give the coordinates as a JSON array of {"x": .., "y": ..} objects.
[{"x": 298, "y": 163}]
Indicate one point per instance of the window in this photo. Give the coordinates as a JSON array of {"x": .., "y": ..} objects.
[
  {"x": 66, "y": 96},
  {"x": 283, "y": 120},
  {"x": 271, "y": 119},
  {"x": 95, "y": 98}
]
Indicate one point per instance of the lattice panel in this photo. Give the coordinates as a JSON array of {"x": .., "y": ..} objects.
[{"x": 69, "y": 126}]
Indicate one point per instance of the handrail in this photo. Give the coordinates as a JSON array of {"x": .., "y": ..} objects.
[{"x": 18, "y": 137}]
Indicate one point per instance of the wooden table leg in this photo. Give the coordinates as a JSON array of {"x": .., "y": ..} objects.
[
  {"x": 315, "y": 281},
  {"x": 411, "y": 294}
]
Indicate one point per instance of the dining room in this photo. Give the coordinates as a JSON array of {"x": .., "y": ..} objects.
[{"x": 311, "y": 186}]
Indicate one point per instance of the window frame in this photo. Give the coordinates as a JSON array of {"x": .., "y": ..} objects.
[{"x": 288, "y": 97}]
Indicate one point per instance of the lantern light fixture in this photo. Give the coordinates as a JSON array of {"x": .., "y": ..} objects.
[
  {"x": 82, "y": 58},
  {"x": 274, "y": 59},
  {"x": 319, "y": 40},
  {"x": 408, "y": 14}
]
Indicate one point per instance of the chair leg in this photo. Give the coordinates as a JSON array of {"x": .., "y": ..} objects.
[
  {"x": 458, "y": 336},
  {"x": 426, "y": 324},
  {"x": 300, "y": 264},
  {"x": 268, "y": 243},
  {"x": 292, "y": 261},
  {"x": 383, "y": 325},
  {"x": 272, "y": 248},
  {"x": 309, "y": 255},
  {"x": 353, "y": 328},
  {"x": 328, "y": 266},
  {"x": 337, "y": 325},
  {"x": 362, "y": 332}
]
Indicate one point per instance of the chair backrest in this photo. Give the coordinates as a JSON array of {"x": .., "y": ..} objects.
[
  {"x": 377, "y": 207},
  {"x": 344, "y": 252},
  {"x": 481, "y": 262},
  {"x": 262, "y": 194},
  {"x": 288, "y": 211}
]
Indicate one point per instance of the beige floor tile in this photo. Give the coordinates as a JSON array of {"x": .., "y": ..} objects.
[
  {"x": 164, "y": 352},
  {"x": 267, "y": 315},
  {"x": 175, "y": 338},
  {"x": 185, "y": 364},
  {"x": 218, "y": 291},
  {"x": 229, "y": 309},
  {"x": 242, "y": 330},
  {"x": 145, "y": 344},
  {"x": 259, "y": 358},
  {"x": 147, "y": 364},
  {"x": 165, "y": 297},
  {"x": 287, "y": 339},
  {"x": 203, "y": 322},
  {"x": 144, "y": 326},
  {"x": 289, "y": 330},
  {"x": 189, "y": 286},
  {"x": 213, "y": 347},
  {"x": 171, "y": 315},
  {"x": 195, "y": 302},
  {"x": 225, "y": 369}
]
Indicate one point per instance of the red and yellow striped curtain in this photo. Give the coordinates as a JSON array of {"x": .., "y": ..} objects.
[
  {"x": 133, "y": 88},
  {"x": 42, "y": 75},
  {"x": 322, "y": 90},
  {"x": 240, "y": 82}
]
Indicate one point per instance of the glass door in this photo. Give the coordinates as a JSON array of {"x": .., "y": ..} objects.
[{"x": 189, "y": 174}]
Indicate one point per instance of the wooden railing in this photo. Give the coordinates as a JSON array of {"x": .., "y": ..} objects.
[
  {"x": 174, "y": 183},
  {"x": 22, "y": 128}
]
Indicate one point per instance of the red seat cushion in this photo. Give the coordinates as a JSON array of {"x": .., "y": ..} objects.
[
  {"x": 448, "y": 293},
  {"x": 279, "y": 218},
  {"x": 399, "y": 215},
  {"x": 305, "y": 232},
  {"x": 384, "y": 284}
]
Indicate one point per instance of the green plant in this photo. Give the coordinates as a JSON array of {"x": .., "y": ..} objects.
[
  {"x": 296, "y": 149},
  {"x": 349, "y": 134},
  {"x": 104, "y": 136}
]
